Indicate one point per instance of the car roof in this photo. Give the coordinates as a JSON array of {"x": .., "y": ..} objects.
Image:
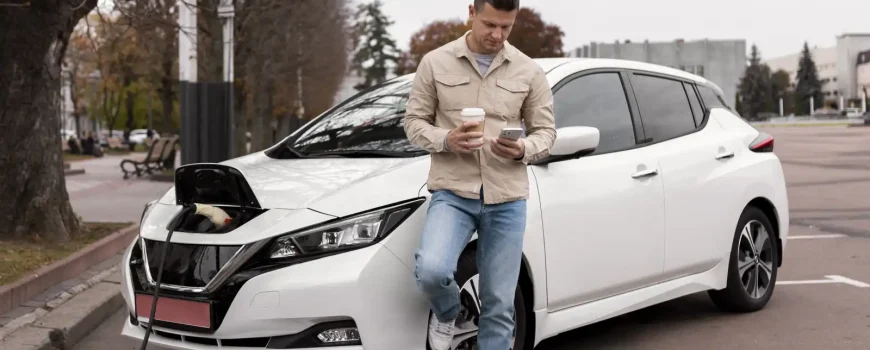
[
  {"x": 573, "y": 64},
  {"x": 564, "y": 66}
]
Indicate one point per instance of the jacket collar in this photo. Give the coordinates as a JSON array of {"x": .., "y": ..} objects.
[{"x": 460, "y": 48}]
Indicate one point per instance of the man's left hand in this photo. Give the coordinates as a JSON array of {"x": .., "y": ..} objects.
[{"x": 507, "y": 148}]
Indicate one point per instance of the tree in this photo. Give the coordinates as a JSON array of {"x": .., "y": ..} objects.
[
  {"x": 430, "y": 37},
  {"x": 291, "y": 58},
  {"x": 808, "y": 84},
  {"x": 780, "y": 87},
  {"x": 34, "y": 37},
  {"x": 374, "y": 45},
  {"x": 755, "y": 87},
  {"x": 530, "y": 34},
  {"x": 534, "y": 37}
]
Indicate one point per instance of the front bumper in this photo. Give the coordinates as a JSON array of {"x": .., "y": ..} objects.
[{"x": 369, "y": 288}]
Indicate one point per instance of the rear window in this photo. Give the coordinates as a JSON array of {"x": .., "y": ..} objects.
[{"x": 711, "y": 98}]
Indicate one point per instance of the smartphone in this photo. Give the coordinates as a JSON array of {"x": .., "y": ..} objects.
[{"x": 511, "y": 133}]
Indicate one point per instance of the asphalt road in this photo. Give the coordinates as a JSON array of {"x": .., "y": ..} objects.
[{"x": 828, "y": 173}]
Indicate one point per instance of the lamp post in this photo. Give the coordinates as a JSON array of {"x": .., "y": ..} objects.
[
  {"x": 94, "y": 78},
  {"x": 227, "y": 12}
]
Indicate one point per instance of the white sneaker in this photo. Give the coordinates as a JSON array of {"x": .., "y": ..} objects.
[{"x": 440, "y": 333}]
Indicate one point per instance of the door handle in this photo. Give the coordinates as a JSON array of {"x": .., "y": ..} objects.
[
  {"x": 645, "y": 173},
  {"x": 724, "y": 155}
]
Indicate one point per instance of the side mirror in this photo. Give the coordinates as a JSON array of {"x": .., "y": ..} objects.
[{"x": 572, "y": 142}]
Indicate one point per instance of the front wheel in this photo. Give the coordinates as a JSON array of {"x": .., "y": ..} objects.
[
  {"x": 468, "y": 278},
  {"x": 752, "y": 267}
]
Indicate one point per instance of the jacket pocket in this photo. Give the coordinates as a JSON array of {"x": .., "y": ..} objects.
[
  {"x": 511, "y": 95},
  {"x": 455, "y": 92}
]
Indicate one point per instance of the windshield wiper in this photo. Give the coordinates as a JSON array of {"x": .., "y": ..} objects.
[
  {"x": 368, "y": 153},
  {"x": 289, "y": 147}
]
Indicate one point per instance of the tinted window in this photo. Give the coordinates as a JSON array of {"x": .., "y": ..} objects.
[
  {"x": 697, "y": 111},
  {"x": 664, "y": 107},
  {"x": 368, "y": 122},
  {"x": 711, "y": 98},
  {"x": 597, "y": 100}
]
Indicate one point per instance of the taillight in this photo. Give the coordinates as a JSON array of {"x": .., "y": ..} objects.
[{"x": 762, "y": 143}]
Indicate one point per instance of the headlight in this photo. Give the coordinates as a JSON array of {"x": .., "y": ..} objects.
[{"x": 351, "y": 232}]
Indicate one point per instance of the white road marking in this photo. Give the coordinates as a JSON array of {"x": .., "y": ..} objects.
[
  {"x": 849, "y": 281},
  {"x": 804, "y": 282},
  {"x": 830, "y": 279},
  {"x": 817, "y": 236}
]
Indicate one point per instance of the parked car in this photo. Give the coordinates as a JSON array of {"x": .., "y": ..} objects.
[
  {"x": 853, "y": 112},
  {"x": 138, "y": 136},
  {"x": 654, "y": 189}
]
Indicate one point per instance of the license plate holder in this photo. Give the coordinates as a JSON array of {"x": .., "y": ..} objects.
[{"x": 176, "y": 311}]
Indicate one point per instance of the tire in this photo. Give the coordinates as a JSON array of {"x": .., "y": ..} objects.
[
  {"x": 466, "y": 269},
  {"x": 739, "y": 296}
]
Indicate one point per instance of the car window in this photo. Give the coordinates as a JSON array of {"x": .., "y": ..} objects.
[
  {"x": 664, "y": 107},
  {"x": 697, "y": 111},
  {"x": 711, "y": 98},
  {"x": 597, "y": 100}
]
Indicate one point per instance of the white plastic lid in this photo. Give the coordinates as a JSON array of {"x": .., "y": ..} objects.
[{"x": 473, "y": 112}]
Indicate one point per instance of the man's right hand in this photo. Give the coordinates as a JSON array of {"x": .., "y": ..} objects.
[{"x": 458, "y": 139}]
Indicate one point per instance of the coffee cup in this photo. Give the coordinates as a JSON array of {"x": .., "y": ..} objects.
[{"x": 474, "y": 115}]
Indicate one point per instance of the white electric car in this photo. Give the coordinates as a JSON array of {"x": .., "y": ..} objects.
[{"x": 654, "y": 189}]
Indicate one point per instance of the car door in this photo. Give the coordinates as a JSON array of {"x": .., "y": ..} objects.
[
  {"x": 603, "y": 213},
  {"x": 693, "y": 155}
]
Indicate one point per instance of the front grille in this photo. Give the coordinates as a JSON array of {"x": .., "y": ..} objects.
[
  {"x": 188, "y": 265},
  {"x": 221, "y": 299}
]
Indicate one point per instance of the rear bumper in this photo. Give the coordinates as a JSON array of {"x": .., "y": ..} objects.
[{"x": 369, "y": 287}]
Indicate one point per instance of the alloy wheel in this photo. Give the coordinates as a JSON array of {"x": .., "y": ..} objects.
[
  {"x": 465, "y": 337},
  {"x": 755, "y": 259}
]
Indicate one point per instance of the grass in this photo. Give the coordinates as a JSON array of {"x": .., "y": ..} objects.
[
  {"x": 19, "y": 257},
  {"x": 76, "y": 157}
]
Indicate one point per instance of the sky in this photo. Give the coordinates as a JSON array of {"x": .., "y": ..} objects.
[{"x": 778, "y": 27}]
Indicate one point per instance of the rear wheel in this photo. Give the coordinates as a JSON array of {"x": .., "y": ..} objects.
[
  {"x": 752, "y": 269},
  {"x": 468, "y": 278}
]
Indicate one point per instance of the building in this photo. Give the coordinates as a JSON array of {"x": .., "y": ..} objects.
[
  {"x": 826, "y": 66},
  {"x": 842, "y": 69},
  {"x": 720, "y": 61},
  {"x": 863, "y": 75}
]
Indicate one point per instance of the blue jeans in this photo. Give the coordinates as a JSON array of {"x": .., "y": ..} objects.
[{"x": 450, "y": 222}]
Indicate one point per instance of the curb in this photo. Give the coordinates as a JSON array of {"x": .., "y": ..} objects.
[
  {"x": 21, "y": 291},
  {"x": 71, "y": 172},
  {"x": 70, "y": 319}
]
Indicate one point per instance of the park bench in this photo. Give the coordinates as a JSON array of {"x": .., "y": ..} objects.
[
  {"x": 160, "y": 156},
  {"x": 167, "y": 158},
  {"x": 152, "y": 158}
]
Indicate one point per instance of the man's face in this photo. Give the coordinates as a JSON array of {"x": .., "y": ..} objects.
[{"x": 491, "y": 27}]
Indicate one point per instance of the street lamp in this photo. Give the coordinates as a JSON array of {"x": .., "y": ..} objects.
[
  {"x": 227, "y": 12},
  {"x": 94, "y": 78}
]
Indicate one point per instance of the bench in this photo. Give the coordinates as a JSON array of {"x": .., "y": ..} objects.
[{"x": 153, "y": 160}]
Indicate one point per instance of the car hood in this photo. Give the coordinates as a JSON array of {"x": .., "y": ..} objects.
[{"x": 335, "y": 186}]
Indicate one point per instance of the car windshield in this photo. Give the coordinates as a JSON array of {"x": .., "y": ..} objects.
[{"x": 368, "y": 124}]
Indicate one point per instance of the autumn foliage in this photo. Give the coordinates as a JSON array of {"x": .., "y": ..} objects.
[{"x": 530, "y": 34}]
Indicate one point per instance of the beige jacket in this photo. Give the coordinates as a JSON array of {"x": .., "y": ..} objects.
[{"x": 513, "y": 92}]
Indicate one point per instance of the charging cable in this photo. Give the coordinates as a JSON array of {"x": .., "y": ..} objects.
[{"x": 217, "y": 216}]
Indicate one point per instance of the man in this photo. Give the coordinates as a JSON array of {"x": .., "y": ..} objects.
[{"x": 481, "y": 190}]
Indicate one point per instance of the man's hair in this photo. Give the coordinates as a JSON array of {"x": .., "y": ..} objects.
[{"x": 501, "y": 5}]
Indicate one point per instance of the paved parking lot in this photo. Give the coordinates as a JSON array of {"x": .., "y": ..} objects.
[{"x": 822, "y": 300}]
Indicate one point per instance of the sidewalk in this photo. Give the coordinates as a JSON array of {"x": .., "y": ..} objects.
[
  {"x": 66, "y": 312},
  {"x": 102, "y": 195}
]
